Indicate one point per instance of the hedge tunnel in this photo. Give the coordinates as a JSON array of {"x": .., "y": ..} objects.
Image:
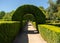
[{"x": 29, "y": 9}]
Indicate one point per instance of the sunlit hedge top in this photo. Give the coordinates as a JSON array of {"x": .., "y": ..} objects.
[
  {"x": 29, "y": 9},
  {"x": 50, "y": 27},
  {"x": 9, "y": 22}
]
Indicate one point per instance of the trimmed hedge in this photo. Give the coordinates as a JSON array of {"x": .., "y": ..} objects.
[
  {"x": 24, "y": 23},
  {"x": 8, "y": 30},
  {"x": 55, "y": 24},
  {"x": 50, "y": 33},
  {"x": 29, "y": 9}
]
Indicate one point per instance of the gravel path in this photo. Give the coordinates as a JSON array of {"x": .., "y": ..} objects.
[{"x": 29, "y": 35}]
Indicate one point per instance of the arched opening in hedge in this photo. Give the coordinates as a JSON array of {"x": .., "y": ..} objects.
[
  {"x": 29, "y": 9},
  {"x": 29, "y": 17}
]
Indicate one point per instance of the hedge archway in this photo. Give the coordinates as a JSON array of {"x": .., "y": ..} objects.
[{"x": 29, "y": 9}]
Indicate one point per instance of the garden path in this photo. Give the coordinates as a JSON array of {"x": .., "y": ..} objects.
[{"x": 29, "y": 35}]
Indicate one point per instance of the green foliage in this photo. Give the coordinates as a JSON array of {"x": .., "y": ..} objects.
[
  {"x": 50, "y": 33},
  {"x": 52, "y": 6},
  {"x": 8, "y": 16},
  {"x": 8, "y": 30},
  {"x": 58, "y": 1},
  {"x": 58, "y": 15},
  {"x": 54, "y": 24},
  {"x": 29, "y": 9},
  {"x": 29, "y": 17},
  {"x": 42, "y": 9},
  {"x": 2, "y": 13},
  {"x": 52, "y": 9}
]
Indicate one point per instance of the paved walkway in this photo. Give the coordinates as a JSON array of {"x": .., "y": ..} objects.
[{"x": 29, "y": 35}]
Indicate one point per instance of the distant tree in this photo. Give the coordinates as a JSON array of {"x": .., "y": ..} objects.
[
  {"x": 53, "y": 6},
  {"x": 8, "y": 16},
  {"x": 51, "y": 9},
  {"x": 58, "y": 1},
  {"x": 2, "y": 13}
]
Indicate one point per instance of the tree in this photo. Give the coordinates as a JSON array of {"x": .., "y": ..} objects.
[
  {"x": 58, "y": 1},
  {"x": 51, "y": 9},
  {"x": 2, "y": 13},
  {"x": 8, "y": 16}
]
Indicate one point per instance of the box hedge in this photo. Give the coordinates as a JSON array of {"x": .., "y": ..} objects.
[
  {"x": 50, "y": 33},
  {"x": 8, "y": 30},
  {"x": 55, "y": 24}
]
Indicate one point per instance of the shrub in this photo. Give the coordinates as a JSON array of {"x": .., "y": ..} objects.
[
  {"x": 50, "y": 33},
  {"x": 8, "y": 30}
]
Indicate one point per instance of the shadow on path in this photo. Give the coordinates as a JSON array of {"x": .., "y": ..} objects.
[{"x": 23, "y": 37}]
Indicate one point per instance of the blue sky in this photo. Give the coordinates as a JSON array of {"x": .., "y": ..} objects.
[{"x": 9, "y": 5}]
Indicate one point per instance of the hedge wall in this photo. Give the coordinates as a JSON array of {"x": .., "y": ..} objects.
[
  {"x": 24, "y": 24},
  {"x": 50, "y": 33},
  {"x": 8, "y": 30},
  {"x": 55, "y": 24}
]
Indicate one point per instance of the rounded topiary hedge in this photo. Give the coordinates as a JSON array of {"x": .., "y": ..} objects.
[{"x": 29, "y": 9}]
